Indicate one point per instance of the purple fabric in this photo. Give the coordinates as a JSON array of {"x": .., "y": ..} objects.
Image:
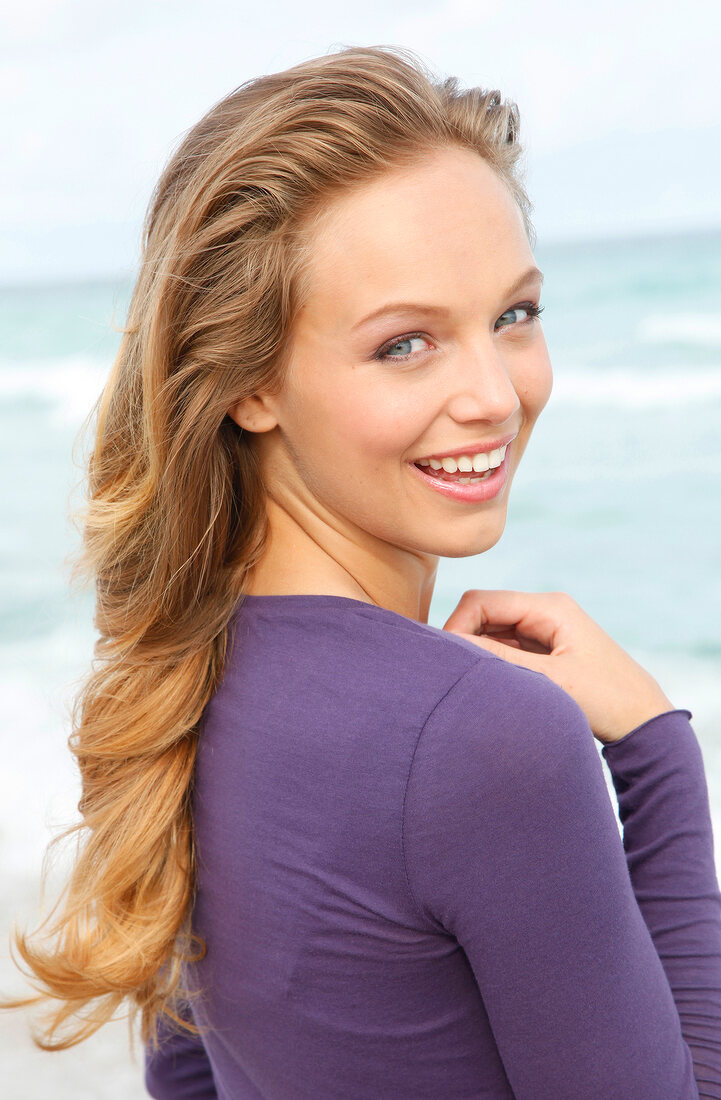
[{"x": 412, "y": 883}]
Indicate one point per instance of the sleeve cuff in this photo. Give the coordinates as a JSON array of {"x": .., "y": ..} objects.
[{"x": 612, "y": 745}]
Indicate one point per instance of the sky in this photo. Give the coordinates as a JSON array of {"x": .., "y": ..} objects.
[{"x": 620, "y": 106}]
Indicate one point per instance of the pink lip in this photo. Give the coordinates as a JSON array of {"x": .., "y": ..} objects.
[
  {"x": 480, "y": 491},
  {"x": 472, "y": 448}
]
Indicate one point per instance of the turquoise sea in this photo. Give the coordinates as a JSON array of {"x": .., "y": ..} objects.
[{"x": 617, "y": 500}]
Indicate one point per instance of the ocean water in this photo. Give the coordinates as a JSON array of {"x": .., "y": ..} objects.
[{"x": 617, "y": 500}]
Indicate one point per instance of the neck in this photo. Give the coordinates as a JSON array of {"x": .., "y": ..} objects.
[{"x": 317, "y": 554}]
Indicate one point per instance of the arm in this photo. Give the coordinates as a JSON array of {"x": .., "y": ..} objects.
[
  {"x": 179, "y": 1069},
  {"x": 512, "y": 845},
  {"x": 658, "y": 776}
]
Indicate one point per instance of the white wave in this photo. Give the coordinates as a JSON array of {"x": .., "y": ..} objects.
[
  {"x": 631, "y": 387},
  {"x": 70, "y": 385},
  {"x": 680, "y": 328}
]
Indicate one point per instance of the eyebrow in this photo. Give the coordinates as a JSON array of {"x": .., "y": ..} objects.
[{"x": 417, "y": 307}]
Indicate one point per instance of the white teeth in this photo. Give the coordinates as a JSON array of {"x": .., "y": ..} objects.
[{"x": 477, "y": 463}]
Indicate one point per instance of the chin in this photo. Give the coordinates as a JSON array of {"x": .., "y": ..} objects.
[
  {"x": 470, "y": 551},
  {"x": 476, "y": 543}
]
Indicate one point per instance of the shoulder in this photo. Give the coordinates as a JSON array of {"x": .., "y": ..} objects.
[
  {"x": 500, "y": 727},
  {"x": 360, "y": 648},
  {"x": 472, "y": 707},
  {"x": 447, "y": 679},
  {"x": 372, "y": 661},
  {"x": 504, "y": 775}
]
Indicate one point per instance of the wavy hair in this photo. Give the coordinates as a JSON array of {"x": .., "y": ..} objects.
[{"x": 174, "y": 518}]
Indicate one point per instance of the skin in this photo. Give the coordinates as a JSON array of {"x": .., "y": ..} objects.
[{"x": 347, "y": 515}]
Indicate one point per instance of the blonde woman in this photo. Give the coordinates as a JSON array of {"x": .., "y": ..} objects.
[{"x": 331, "y": 851}]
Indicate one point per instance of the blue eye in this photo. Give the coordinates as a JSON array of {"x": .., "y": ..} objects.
[
  {"x": 386, "y": 352},
  {"x": 403, "y": 342},
  {"x": 533, "y": 311}
]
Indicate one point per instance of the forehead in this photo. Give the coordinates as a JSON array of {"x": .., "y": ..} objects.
[{"x": 423, "y": 229}]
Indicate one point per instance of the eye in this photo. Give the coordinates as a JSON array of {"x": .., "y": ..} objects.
[
  {"x": 400, "y": 349},
  {"x": 531, "y": 310},
  {"x": 404, "y": 343}
]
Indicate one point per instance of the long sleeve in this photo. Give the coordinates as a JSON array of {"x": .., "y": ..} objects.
[
  {"x": 179, "y": 1068},
  {"x": 659, "y": 779},
  {"x": 512, "y": 845}
]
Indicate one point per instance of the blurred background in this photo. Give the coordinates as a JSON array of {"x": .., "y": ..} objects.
[{"x": 617, "y": 500}]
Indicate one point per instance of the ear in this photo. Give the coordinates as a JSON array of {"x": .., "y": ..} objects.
[{"x": 254, "y": 413}]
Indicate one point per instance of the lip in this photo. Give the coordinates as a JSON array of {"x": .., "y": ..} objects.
[
  {"x": 472, "y": 448},
  {"x": 487, "y": 489}
]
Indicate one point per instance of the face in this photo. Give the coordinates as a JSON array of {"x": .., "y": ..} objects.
[{"x": 460, "y": 364}]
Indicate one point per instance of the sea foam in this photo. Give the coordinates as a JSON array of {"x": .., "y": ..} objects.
[
  {"x": 681, "y": 328},
  {"x": 636, "y": 387}
]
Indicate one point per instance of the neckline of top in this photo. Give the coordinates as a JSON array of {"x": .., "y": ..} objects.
[{"x": 322, "y": 599}]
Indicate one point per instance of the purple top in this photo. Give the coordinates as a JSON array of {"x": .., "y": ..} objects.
[{"x": 412, "y": 882}]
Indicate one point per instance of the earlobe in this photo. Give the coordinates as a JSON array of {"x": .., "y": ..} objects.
[{"x": 253, "y": 414}]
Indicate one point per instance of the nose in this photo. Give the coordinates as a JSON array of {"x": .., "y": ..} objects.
[{"x": 481, "y": 386}]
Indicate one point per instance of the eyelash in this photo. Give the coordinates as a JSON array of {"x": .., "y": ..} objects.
[{"x": 531, "y": 308}]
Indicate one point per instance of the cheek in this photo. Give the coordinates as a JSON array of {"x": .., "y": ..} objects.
[
  {"x": 365, "y": 420},
  {"x": 533, "y": 381},
  {"x": 391, "y": 425}
]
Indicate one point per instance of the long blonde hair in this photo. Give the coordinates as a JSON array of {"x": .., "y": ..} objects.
[{"x": 175, "y": 516}]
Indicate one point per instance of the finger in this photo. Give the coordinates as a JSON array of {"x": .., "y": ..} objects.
[
  {"x": 542, "y": 616},
  {"x": 509, "y": 653},
  {"x": 522, "y": 641},
  {"x": 468, "y": 615},
  {"x": 483, "y": 609}
]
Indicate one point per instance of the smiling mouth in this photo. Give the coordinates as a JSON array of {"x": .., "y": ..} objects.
[
  {"x": 464, "y": 469},
  {"x": 459, "y": 476}
]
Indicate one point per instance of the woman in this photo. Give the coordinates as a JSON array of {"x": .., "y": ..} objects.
[{"x": 348, "y": 853}]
